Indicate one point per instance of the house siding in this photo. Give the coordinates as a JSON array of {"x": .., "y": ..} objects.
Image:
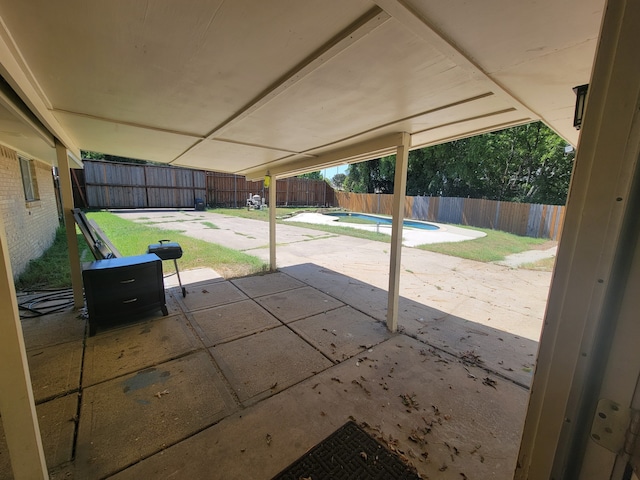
[{"x": 30, "y": 226}]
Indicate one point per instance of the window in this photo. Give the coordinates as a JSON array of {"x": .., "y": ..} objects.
[{"x": 29, "y": 183}]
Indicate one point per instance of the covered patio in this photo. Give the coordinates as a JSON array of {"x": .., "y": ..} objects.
[{"x": 274, "y": 89}]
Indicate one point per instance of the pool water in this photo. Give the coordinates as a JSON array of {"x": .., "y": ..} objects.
[{"x": 386, "y": 221}]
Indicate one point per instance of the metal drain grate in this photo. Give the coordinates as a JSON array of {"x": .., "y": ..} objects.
[{"x": 348, "y": 453}]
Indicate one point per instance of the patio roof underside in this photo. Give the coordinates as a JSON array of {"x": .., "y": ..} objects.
[{"x": 284, "y": 86}]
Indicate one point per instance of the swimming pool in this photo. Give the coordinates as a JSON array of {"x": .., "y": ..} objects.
[{"x": 386, "y": 221}]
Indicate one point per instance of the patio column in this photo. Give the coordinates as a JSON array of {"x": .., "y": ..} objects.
[
  {"x": 69, "y": 222},
  {"x": 399, "y": 191},
  {"x": 272, "y": 224},
  {"x": 17, "y": 406}
]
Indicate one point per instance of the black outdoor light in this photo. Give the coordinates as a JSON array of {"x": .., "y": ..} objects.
[{"x": 581, "y": 99}]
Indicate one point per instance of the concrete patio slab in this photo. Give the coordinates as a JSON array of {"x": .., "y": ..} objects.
[
  {"x": 194, "y": 275},
  {"x": 266, "y": 363},
  {"x": 255, "y": 286},
  {"x": 299, "y": 303},
  {"x": 57, "y": 420},
  {"x": 55, "y": 370},
  {"x": 427, "y": 406},
  {"x": 53, "y": 329},
  {"x": 210, "y": 294},
  {"x": 133, "y": 347},
  {"x": 130, "y": 418},
  {"x": 341, "y": 333},
  {"x": 229, "y": 322},
  {"x": 503, "y": 352}
]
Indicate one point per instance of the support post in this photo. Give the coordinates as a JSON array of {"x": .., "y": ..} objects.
[
  {"x": 399, "y": 191},
  {"x": 272, "y": 224},
  {"x": 17, "y": 406},
  {"x": 67, "y": 207}
]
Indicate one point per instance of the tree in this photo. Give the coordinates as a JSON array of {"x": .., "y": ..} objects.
[
  {"x": 312, "y": 175},
  {"x": 374, "y": 176},
  {"x": 521, "y": 164},
  {"x": 338, "y": 180},
  {"x": 87, "y": 155}
]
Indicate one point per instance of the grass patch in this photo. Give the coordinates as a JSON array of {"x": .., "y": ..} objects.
[
  {"x": 132, "y": 239},
  {"x": 492, "y": 248},
  {"x": 210, "y": 225},
  {"x": 260, "y": 214},
  {"x": 544, "y": 265},
  {"x": 52, "y": 269}
]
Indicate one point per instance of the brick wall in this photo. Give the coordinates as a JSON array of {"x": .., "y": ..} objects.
[{"x": 30, "y": 226}]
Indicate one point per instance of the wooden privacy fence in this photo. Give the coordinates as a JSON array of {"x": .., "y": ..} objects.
[
  {"x": 526, "y": 219},
  {"x": 128, "y": 185},
  {"x": 228, "y": 190}
]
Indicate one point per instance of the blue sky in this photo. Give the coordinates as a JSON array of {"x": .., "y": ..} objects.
[{"x": 330, "y": 172}]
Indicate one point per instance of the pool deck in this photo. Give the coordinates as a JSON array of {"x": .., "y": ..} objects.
[{"x": 411, "y": 236}]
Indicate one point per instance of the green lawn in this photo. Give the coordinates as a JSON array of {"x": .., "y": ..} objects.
[
  {"x": 52, "y": 269},
  {"x": 133, "y": 238},
  {"x": 492, "y": 248}
]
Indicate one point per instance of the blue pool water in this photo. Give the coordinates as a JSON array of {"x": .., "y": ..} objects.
[{"x": 387, "y": 221}]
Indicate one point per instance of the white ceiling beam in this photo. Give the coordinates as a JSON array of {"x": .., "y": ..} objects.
[
  {"x": 359, "y": 152},
  {"x": 354, "y": 32},
  {"x": 422, "y": 28}
]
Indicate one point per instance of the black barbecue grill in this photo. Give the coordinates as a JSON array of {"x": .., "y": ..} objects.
[{"x": 168, "y": 250}]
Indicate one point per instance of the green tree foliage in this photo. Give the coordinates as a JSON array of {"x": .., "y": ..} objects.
[
  {"x": 312, "y": 175},
  {"x": 338, "y": 180},
  {"x": 374, "y": 176},
  {"x": 87, "y": 155},
  {"x": 521, "y": 164}
]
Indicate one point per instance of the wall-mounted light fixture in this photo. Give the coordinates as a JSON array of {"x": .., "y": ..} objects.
[{"x": 581, "y": 100}]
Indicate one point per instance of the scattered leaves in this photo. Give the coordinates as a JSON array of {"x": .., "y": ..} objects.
[
  {"x": 356, "y": 382},
  {"x": 409, "y": 401},
  {"x": 489, "y": 382},
  {"x": 471, "y": 358}
]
